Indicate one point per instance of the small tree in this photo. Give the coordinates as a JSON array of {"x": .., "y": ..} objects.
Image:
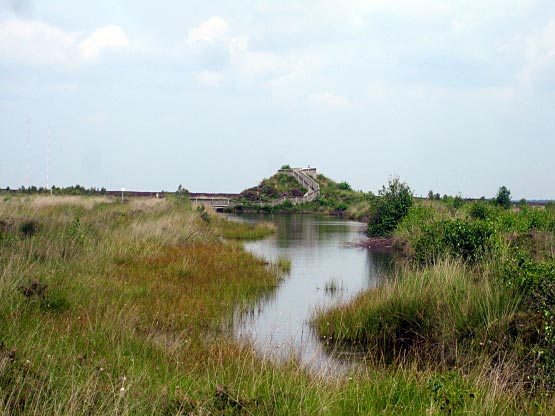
[
  {"x": 503, "y": 197},
  {"x": 182, "y": 194},
  {"x": 393, "y": 204},
  {"x": 458, "y": 201}
]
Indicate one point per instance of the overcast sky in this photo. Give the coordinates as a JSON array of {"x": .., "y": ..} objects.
[{"x": 454, "y": 96}]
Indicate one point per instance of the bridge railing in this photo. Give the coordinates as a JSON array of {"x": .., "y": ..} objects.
[
  {"x": 215, "y": 202},
  {"x": 307, "y": 181}
]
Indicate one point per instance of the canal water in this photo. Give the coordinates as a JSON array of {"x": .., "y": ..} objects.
[{"x": 323, "y": 272}]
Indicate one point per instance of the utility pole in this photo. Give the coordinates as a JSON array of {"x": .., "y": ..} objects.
[
  {"x": 28, "y": 152},
  {"x": 48, "y": 161}
]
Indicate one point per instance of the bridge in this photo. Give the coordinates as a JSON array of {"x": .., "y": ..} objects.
[
  {"x": 217, "y": 201},
  {"x": 302, "y": 175}
]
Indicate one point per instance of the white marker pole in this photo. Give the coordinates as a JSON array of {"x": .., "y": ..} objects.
[{"x": 122, "y": 191}]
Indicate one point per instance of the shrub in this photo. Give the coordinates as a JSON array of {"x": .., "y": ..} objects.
[
  {"x": 393, "y": 204},
  {"x": 536, "y": 281},
  {"x": 449, "y": 392},
  {"x": 503, "y": 197},
  {"x": 341, "y": 207},
  {"x": 29, "y": 228},
  {"x": 182, "y": 195},
  {"x": 203, "y": 214},
  {"x": 469, "y": 240},
  {"x": 479, "y": 211},
  {"x": 344, "y": 186}
]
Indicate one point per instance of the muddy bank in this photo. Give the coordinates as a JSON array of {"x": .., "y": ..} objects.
[{"x": 381, "y": 245}]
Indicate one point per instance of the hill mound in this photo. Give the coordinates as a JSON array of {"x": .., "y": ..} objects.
[{"x": 275, "y": 187}]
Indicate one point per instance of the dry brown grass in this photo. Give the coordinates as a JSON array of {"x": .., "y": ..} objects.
[{"x": 88, "y": 202}]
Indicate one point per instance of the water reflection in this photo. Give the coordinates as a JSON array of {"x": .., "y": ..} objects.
[{"x": 323, "y": 272}]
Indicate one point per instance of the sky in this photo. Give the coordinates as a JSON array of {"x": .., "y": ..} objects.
[{"x": 454, "y": 96}]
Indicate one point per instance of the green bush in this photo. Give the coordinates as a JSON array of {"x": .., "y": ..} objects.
[
  {"x": 344, "y": 186},
  {"x": 469, "y": 240},
  {"x": 479, "y": 211},
  {"x": 394, "y": 203},
  {"x": 203, "y": 214},
  {"x": 28, "y": 228},
  {"x": 449, "y": 392},
  {"x": 341, "y": 207},
  {"x": 458, "y": 202},
  {"x": 535, "y": 280}
]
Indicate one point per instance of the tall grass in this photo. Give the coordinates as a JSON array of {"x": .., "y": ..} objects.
[
  {"x": 245, "y": 231},
  {"x": 442, "y": 319},
  {"x": 431, "y": 312},
  {"x": 126, "y": 309}
]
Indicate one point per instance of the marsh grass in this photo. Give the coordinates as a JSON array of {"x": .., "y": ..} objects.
[
  {"x": 126, "y": 309},
  {"x": 283, "y": 265},
  {"x": 451, "y": 322},
  {"x": 233, "y": 230},
  {"x": 432, "y": 313},
  {"x": 333, "y": 286}
]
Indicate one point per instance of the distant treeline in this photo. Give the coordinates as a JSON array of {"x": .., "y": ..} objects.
[{"x": 80, "y": 190}]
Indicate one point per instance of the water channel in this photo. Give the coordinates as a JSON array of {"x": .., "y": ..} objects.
[{"x": 278, "y": 326}]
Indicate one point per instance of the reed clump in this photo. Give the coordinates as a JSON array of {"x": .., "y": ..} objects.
[
  {"x": 434, "y": 313},
  {"x": 245, "y": 231}
]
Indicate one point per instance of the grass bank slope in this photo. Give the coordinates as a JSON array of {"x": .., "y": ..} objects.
[{"x": 275, "y": 187}]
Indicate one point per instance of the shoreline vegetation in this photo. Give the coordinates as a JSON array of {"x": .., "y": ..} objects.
[
  {"x": 127, "y": 308},
  {"x": 472, "y": 297}
]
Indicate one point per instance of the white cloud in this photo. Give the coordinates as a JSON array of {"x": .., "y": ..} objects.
[
  {"x": 331, "y": 100},
  {"x": 540, "y": 57},
  {"x": 35, "y": 42},
  {"x": 210, "y": 78},
  {"x": 234, "y": 54},
  {"x": 40, "y": 43},
  {"x": 105, "y": 38},
  {"x": 212, "y": 30}
]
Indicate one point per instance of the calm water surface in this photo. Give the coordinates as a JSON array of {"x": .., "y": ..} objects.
[{"x": 278, "y": 325}]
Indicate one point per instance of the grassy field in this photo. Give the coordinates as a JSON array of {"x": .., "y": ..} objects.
[{"x": 127, "y": 309}]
